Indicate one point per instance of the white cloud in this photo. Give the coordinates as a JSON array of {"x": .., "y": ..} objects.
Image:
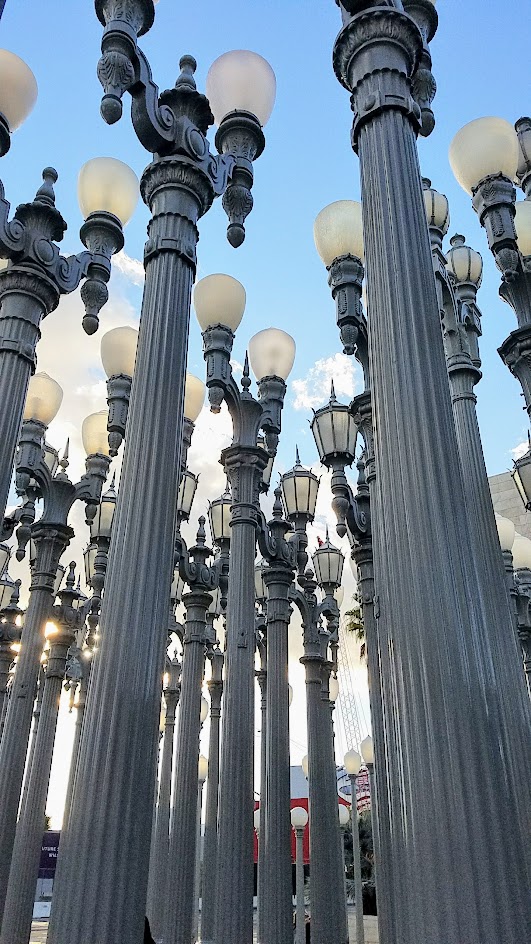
[
  {"x": 313, "y": 391},
  {"x": 132, "y": 269},
  {"x": 520, "y": 450}
]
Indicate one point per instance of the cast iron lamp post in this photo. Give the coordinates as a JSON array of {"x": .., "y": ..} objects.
[
  {"x": 179, "y": 186},
  {"x": 427, "y": 584},
  {"x": 202, "y": 775},
  {"x": 299, "y": 821},
  {"x": 37, "y": 275},
  {"x": 516, "y": 550},
  {"x": 367, "y": 753},
  {"x": 326, "y": 887},
  {"x": 10, "y": 632},
  {"x": 219, "y": 302},
  {"x": 18, "y": 94},
  {"x": 260, "y": 632},
  {"x": 18, "y": 909},
  {"x": 51, "y": 535},
  {"x": 344, "y": 818},
  {"x": 352, "y": 762}
]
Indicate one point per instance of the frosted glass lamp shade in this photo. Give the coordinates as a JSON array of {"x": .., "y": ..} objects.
[
  {"x": 186, "y": 493},
  {"x": 101, "y": 525},
  {"x": 43, "y": 399},
  {"x": 177, "y": 587},
  {"x": 219, "y": 299},
  {"x": 290, "y": 695},
  {"x": 3, "y": 264},
  {"x": 51, "y": 458},
  {"x": 5, "y": 554},
  {"x": 521, "y": 551},
  {"x": 7, "y": 585},
  {"x": 18, "y": 89},
  {"x": 202, "y": 768},
  {"x": 344, "y": 815},
  {"x": 465, "y": 264},
  {"x": 299, "y": 817},
  {"x": 215, "y": 606},
  {"x": 338, "y": 231},
  {"x": 194, "y": 397},
  {"x": 94, "y": 434},
  {"x": 260, "y": 588},
  {"x": 304, "y": 765},
  {"x": 437, "y": 209},
  {"x": 219, "y": 517},
  {"x": 506, "y": 532},
  {"x": 352, "y": 763},
  {"x": 204, "y": 709},
  {"x": 118, "y": 351},
  {"x": 328, "y": 564},
  {"x": 256, "y": 820},
  {"x": 89, "y": 557},
  {"x": 299, "y": 492},
  {"x": 271, "y": 353},
  {"x": 59, "y": 574},
  {"x": 334, "y": 432},
  {"x": 241, "y": 81},
  {"x": 107, "y": 184},
  {"x": 482, "y": 148},
  {"x": 522, "y": 477},
  {"x": 333, "y": 688},
  {"x": 522, "y": 222},
  {"x": 367, "y": 749}
]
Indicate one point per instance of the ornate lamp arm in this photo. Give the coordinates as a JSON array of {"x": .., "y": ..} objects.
[{"x": 192, "y": 564}]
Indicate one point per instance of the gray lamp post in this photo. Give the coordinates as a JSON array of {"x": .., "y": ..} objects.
[
  {"x": 18, "y": 909},
  {"x": 326, "y": 887},
  {"x": 37, "y": 275},
  {"x": 51, "y": 535},
  {"x": 521, "y": 562},
  {"x": 219, "y": 302},
  {"x": 425, "y": 566},
  {"x": 299, "y": 820},
  {"x": 261, "y": 675},
  {"x": 344, "y": 819},
  {"x": 179, "y": 186},
  {"x": 367, "y": 753},
  {"x": 181, "y": 906},
  {"x": 202, "y": 776},
  {"x": 210, "y": 853},
  {"x": 352, "y": 763},
  {"x": 10, "y": 633}
]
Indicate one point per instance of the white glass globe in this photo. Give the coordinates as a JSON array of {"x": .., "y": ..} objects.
[
  {"x": 352, "y": 763},
  {"x": 299, "y": 817},
  {"x": 366, "y": 747},
  {"x": 94, "y": 434},
  {"x": 202, "y": 768},
  {"x": 304, "y": 765},
  {"x": 241, "y": 81},
  {"x": 521, "y": 551},
  {"x": 522, "y": 222},
  {"x": 506, "y": 532},
  {"x": 43, "y": 399},
  {"x": 344, "y": 815},
  {"x": 482, "y": 148},
  {"x": 219, "y": 299},
  {"x": 18, "y": 89},
  {"x": 194, "y": 397},
  {"x": 338, "y": 231},
  {"x": 118, "y": 351},
  {"x": 107, "y": 184},
  {"x": 271, "y": 353}
]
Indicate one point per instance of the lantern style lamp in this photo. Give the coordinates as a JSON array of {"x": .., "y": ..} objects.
[
  {"x": 106, "y": 184},
  {"x": 335, "y": 433},
  {"x": 260, "y": 588},
  {"x": 299, "y": 494},
  {"x": 437, "y": 211},
  {"x": 521, "y": 474},
  {"x": 89, "y": 558},
  {"x": 202, "y": 768},
  {"x": 338, "y": 231},
  {"x": 101, "y": 525},
  {"x": 177, "y": 588},
  {"x": 333, "y": 689},
  {"x": 484, "y": 148},
  {"x": 43, "y": 399},
  {"x": 18, "y": 94},
  {"x": 186, "y": 495},
  {"x": 328, "y": 564},
  {"x": 464, "y": 263},
  {"x": 219, "y": 518},
  {"x": 7, "y": 585}
]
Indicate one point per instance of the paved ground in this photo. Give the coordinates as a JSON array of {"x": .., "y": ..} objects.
[{"x": 39, "y": 929}]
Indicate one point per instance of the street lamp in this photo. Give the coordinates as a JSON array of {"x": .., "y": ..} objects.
[
  {"x": 352, "y": 762},
  {"x": 118, "y": 353},
  {"x": 202, "y": 776},
  {"x": 299, "y": 820},
  {"x": 17, "y": 97},
  {"x": 179, "y": 186},
  {"x": 210, "y": 856},
  {"x": 271, "y": 354},
  {"x": 51, "y": 535},
  {"x": 382, "y": 57}
]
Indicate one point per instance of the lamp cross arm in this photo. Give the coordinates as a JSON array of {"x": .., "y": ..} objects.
[
  {"x": 272, "y": 543},
  {"x": 195, "y": 572}
]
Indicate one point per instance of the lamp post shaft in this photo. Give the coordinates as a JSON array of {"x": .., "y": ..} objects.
[
  {"x": 451, "y": 693},
  {"x": 278, "y": 926},
  {"x": 197, "y": 864},
  {"x": 210, "y": 857},
  {"x": 180, "y": 888},
  {"x": 37, "y": 708},
  {"x": 80, "y": 712},
  {"x": 121, "y": 718},
  {"x": 50, "y": 545},
  {"x": 18, "y": 910},
  {"x": 234, "y": 912},
  {"x": 300, "y": 930},
  {"x": 261, "y": 883},
  {"x": 356, "y": 856},
  {"x": 158, "y": 866}
]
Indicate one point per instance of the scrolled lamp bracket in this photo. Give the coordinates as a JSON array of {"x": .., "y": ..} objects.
[
  {"x": 192, "y": 564},
  {"x": 494, "y": 200}
]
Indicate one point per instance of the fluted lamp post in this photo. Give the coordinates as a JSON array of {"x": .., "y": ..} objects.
[
  {"x": 299, "y": 821},
  {"x": 179, "y": 186},
  {"x": 37, "y": 276},
  {"x": 210, "y": 857},
  {"x": 10, "y": 632},
  {"x": 17, "y": 96},
  {"x": 352, "y": 762},
  {"x": 521, "y": 562},
  {"x": 51, "y": 534},
  {"x": 220, "y": 302},
  {"x": 202, "y": 775}
]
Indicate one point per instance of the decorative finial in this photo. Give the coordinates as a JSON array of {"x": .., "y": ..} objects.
[
  {"x": 246, "y": 380},
  {"x": 201, "y": 533},
  {"x": 71, "y": 578},
  {"x": 332, "y": 391},
  {"x": 15, "y": 595},
  {"x": 187, "y": 65},
  {"x": 426, "y": 183},
  {"x": 64, "y": 461},
  {"x": 277, "y": 506},
  {"x": 457, "y": 240},
  {"x": 297, "y": 457},
  {"x": 45, "y": 193}
]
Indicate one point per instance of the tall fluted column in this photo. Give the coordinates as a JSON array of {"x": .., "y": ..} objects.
[
  {"x": 179, "y": 921},
  {"x": 356, "y": 857},
  {"x": 278, "y": 925},
  {"x": 261, "y": 882},
  {"x": 457, "y": 752},
  {"x": 80, "y": 712},
  {"x": 234, "y": 911},
  {"x": 300, "y": 936},
  {"x": 98, "y": 893},
  {"x": 158, "y": 866},
  {"x": 50, "y": 544},
  {"x": 18, "y": 910},
  {"x": 210, "y": 854},
  {"x": 37, "y": 708}
]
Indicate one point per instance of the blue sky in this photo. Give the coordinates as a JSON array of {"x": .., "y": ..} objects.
[{"x": 481, "y": 67}]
